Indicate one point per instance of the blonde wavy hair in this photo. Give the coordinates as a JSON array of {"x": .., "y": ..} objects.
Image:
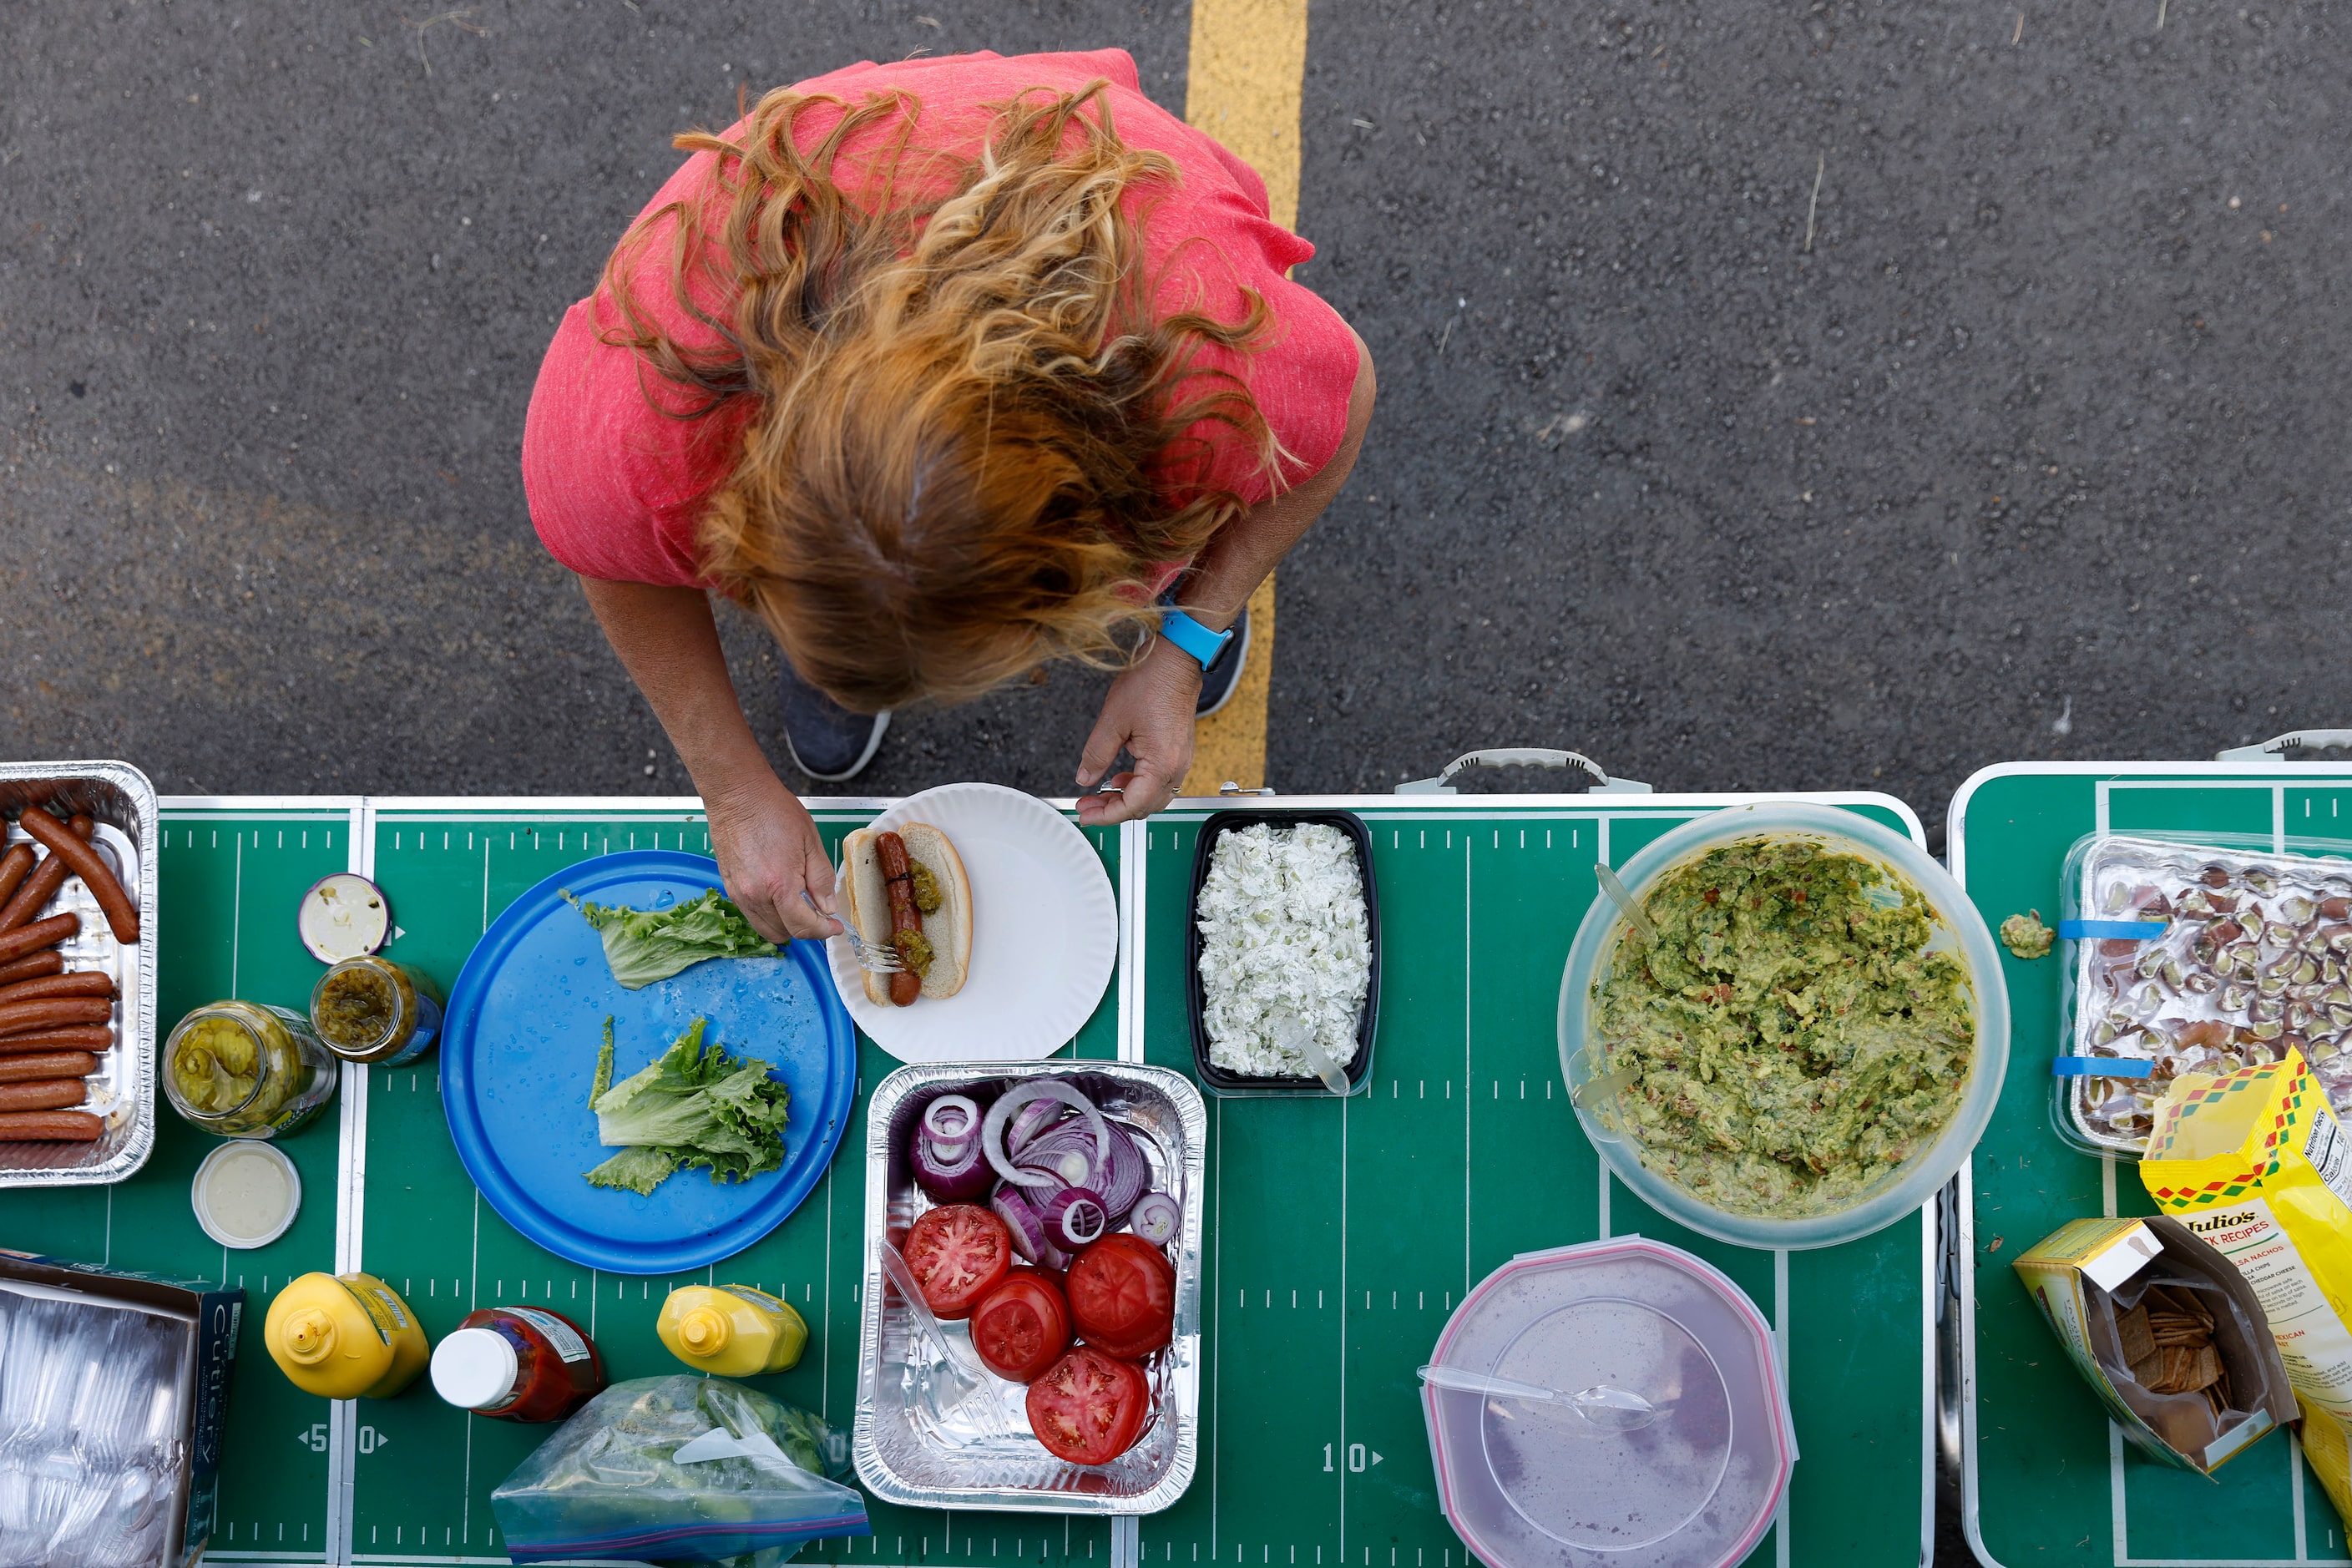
[{"x": 971, "y": 440}]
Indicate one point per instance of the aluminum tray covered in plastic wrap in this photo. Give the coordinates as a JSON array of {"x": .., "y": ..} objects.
[
  {"x": 123, "y": 803},
  {"x": 915, "y": 1444},
  {"x": 2200, "y": 956}
]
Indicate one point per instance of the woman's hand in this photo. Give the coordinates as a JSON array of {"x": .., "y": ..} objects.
[
  {"x": 769, "y": 852},
  {"x": 768, "y": 847},
  {"x": 1150, "y": 713}
]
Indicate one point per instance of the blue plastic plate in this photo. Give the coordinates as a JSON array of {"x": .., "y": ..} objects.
[{"x": 525, "y": 1021}]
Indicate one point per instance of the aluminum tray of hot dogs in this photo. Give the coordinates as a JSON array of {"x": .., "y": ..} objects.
[
  {"x": 928, "y": 1437},
  {"x": 77, "y": 973}
]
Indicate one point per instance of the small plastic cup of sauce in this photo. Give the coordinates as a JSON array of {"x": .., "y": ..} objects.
[
  {"x": 246, "y": 1070},
  {"x": 370, "y": 1009}
]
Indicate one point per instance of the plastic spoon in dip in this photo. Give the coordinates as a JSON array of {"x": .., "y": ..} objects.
[
  {"x": 1610, "y": 1409},
  {"x": 1292, "y": 1033},
  {"x": 1623, "y": 899}
]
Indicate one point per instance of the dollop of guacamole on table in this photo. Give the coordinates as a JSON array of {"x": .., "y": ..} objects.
[
  {"x": 1790, "y": 1040},
  {"x": 2026, "y": 936}
]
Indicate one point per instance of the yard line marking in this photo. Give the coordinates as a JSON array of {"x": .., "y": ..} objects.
[
  {"x": 1343, "y": 1324},
  {"x": 1780, "y": 1351},
  {"x": 1244, "y": 77},
  {"x": 236, "y": 900},
  {"x": 1216, "y": 1347}
]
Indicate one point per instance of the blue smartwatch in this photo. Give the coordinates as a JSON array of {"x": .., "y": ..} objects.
[{"x": 1190, "y": 634}]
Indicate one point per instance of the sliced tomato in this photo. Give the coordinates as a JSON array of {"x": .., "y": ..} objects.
[
  {"x": 1123, "y": 1295},
  {"x": 1021, "y": 1326},
  {"x": 1088, "y": 1407},
  {"x": 959, "y": 1253}
]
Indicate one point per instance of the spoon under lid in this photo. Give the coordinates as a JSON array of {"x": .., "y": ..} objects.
[{"x": 1601, "y": 1406}]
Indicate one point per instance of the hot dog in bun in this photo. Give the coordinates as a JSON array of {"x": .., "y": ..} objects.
[{"x": 906, "y": 889}]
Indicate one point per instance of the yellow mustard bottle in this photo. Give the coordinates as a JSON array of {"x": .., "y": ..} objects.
[
  {"x": 732, "y": 1331},
  {"x": 345, "y": 1336}
]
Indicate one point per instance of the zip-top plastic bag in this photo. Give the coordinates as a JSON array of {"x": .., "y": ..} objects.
[{"x": 680, "y": 1469}]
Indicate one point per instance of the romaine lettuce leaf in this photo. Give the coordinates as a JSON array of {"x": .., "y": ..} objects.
[
  {"x": 645, "y": 945},
  {"x": 694, "y": 1108}
]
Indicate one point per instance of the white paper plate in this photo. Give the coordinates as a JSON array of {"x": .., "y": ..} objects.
[{"x": 1044, "y": 933}]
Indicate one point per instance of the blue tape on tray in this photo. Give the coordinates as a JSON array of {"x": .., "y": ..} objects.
[
  {"x": 2100, "y": 1066},
  {"x": 2112, "y": 930}
]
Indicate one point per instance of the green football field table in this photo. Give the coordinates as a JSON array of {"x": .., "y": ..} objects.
[
  {"x": 1341, "y": 1233},
  {"x": 2046, "y": 1477}
]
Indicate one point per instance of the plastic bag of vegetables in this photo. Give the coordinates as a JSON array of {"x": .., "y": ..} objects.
[{"x": 680, "y": 1469}]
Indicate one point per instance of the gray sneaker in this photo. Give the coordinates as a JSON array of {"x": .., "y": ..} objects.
[
  {"x": 828, "y": 741},
  {"x": 1224, "y": 672}
]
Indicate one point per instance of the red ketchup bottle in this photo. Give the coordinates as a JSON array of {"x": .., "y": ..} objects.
[{"x": 516, "y": 1363}]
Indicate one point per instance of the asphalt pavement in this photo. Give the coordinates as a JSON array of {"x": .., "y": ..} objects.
[
  {"x": 1844, "y": 398},
  {"x": 1827, "y": 396}
]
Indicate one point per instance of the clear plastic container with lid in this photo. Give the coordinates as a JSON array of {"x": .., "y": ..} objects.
[
  {"x": 370, "y": 1009},
  {"x": 517, "y": 1364},
  {"x": 244, "y": 1070},
  {"x": 1643, "y": 1422}
]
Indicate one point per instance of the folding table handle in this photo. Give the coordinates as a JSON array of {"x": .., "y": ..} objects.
[
  {"x": 2279, "y": 744},
  {"x": 1523, "y": 757}
]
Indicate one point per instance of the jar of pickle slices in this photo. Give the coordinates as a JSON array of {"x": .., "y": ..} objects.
[
  {"x": 244, "y": 1070},
  {"x": 370, "y": 1009}
]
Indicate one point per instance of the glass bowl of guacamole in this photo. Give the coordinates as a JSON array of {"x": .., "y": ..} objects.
[{"x": 1804, "y": 1043}]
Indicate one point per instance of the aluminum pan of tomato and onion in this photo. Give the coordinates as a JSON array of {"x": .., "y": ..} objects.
[{"x": 1016, "y": 1193}]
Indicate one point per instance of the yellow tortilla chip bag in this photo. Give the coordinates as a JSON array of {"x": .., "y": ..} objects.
[{"x": 2257, "y": 1166}]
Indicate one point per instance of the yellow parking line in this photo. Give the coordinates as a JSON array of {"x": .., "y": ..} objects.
[{"x": 1248, "y": 62}]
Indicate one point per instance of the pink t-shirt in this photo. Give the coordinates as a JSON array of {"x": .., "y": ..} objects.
[{"x": 618, "y": 490}]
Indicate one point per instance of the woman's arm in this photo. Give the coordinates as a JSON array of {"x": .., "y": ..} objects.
[
  {"x": 1149, "y": 710},
  {"x": 767, "y": 846}
]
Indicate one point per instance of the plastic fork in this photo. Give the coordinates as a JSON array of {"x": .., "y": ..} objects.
[{"x": 874, "y": 961}]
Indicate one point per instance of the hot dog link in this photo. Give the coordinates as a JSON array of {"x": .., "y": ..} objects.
[
  {"x": 121, "y": 913},
  {"x": 82, "y": 982},
  {"x": 32, "y": 967},
  {"x": 899, "y": 878},
  {"x": 53, "y": 1094},
  {"x": 42, "y": 886},
  {"x": 69, "y": 1038},
  {"x": 40, "y": 933},
  {"x": 37, "y": 890},
  {"x": 14, "y": 866},
  {"x": 22, "y": 1018},
  {"x": 50, "y": 1126},
  {"x": 46, "y": 1065}
]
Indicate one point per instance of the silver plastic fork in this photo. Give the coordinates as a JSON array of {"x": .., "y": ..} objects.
[{"x": 874, "y": 961}]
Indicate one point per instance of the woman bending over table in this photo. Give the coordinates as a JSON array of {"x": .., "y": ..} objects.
[{"x": 942, "y": 369}]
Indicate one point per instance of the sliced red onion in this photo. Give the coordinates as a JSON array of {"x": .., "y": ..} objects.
[
  {"x": 1075, "y": 1217},
  {"x": 992, "y": 1132},
  {"x": 1052, "y": 1256},
  {"x": 1156, "y": 1218},
  {"x": 952, "y": 1118},
  {"x": 951, "y": 1173},
  {"x": 1021, "y": 1218},
  {"x": 1066, "y": 1153},
  {"x": 1047, "y": 1183},
  {"x": 1064, "y": 1148},
  {"x": 1032, "y": 1119}
]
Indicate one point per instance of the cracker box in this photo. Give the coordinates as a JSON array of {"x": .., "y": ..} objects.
[{"x": 2169, "y": 1336}]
